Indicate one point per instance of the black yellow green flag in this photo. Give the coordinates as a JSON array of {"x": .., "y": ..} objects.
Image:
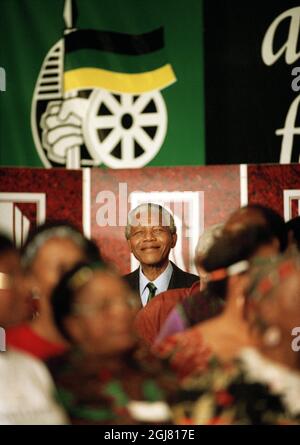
[{"x": 109, "y": 83}]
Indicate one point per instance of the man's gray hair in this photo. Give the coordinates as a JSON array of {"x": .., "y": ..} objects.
[{"x": 158, "y": 216}]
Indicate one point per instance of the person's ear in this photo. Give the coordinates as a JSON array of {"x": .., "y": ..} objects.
[
  {"x": 174, "y": 240},
  {"x": 33, "y": 285},
  {"x": 129, "y": 245}
]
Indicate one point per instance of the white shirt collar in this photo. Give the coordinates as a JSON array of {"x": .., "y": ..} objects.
[{"x": 161, "y": 283}]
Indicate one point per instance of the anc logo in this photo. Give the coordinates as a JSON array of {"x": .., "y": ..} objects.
[{"x": 97, "y": 98}]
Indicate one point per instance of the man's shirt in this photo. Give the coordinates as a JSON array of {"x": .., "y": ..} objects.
[{"x": 161, "y": 283}]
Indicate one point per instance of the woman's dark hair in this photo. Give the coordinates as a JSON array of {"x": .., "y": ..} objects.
[
  {"x": 274, "y": 223},
  {"x": 231, "y": 248},
  {"x": 5, "y": 244},
  {"x": 92, "y": 251},
  {"x": 64, "y": 294},
  {"x": 293, "y": 227}
]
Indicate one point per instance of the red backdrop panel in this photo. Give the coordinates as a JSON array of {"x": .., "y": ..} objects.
[
  {"x": 277, "y": 186},
  {"x": 26, "y": 194}
]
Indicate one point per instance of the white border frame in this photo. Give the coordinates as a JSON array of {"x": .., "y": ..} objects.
[
  {"x": 243, "y": 185},
  {"x": 288, "y": 196},
  {"x": 38, "y": 198}
]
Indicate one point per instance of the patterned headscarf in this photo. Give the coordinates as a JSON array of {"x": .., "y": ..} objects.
[{"x": 266, "y": 274}]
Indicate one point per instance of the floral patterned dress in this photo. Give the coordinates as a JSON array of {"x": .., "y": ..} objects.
[
  {"x": 251, "y": 390},
  {"x": 131, "y": 389}
]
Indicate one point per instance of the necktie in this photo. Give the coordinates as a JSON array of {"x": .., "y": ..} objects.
[{"x": 152, "y": 289}]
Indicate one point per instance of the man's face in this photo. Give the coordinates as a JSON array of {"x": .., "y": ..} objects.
[{"x": 150, "y": 241}]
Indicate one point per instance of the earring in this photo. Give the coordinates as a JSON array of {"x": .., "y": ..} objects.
[
  {"x": 272, "y": 336},
  {"x": 35, "y": 293}
]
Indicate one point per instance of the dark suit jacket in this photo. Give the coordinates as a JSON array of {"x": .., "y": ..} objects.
[{"x": 179, "y": 279}]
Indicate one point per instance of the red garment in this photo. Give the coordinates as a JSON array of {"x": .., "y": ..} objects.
[
  {"x": 186, "y": 351},
  {"x": 150, "y": 318},
  {"x": 24, "y": 338}
]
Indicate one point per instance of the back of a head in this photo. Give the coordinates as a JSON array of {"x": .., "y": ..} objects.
[
  {"x": 5, "y": 244},
  {"x": 259, "y": 215},
  {"x": 230, "y": 249},
  {"x": 293, "y": 228}
]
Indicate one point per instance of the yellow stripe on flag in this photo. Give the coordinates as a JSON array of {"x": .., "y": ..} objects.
[{"x": 119, "y": 82}]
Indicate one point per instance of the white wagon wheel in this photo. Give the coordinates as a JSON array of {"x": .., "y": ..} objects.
[{"x": 125, "y": 130}]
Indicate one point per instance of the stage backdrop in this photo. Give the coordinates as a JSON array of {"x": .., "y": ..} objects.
[
  {"x": 98, "y": 200},
  {"x": 101, "y": 83}
]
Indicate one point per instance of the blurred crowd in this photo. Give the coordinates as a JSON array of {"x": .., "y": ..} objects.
[{"x": 84, "y": 347}]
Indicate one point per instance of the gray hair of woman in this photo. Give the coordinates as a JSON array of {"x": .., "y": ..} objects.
[
  {"x": 61, "y": 230},
  {"x": 206, "y": 240}
]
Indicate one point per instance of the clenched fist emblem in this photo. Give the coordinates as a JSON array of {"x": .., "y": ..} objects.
[{"x": 62, "y": 128}]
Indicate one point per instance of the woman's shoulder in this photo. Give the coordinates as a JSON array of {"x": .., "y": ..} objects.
[
  {"x": 24, "y": 338},
  {"x": 26, "y": 391}
]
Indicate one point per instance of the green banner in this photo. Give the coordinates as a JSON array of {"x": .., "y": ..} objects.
[{"x": 108, "y": 83}]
